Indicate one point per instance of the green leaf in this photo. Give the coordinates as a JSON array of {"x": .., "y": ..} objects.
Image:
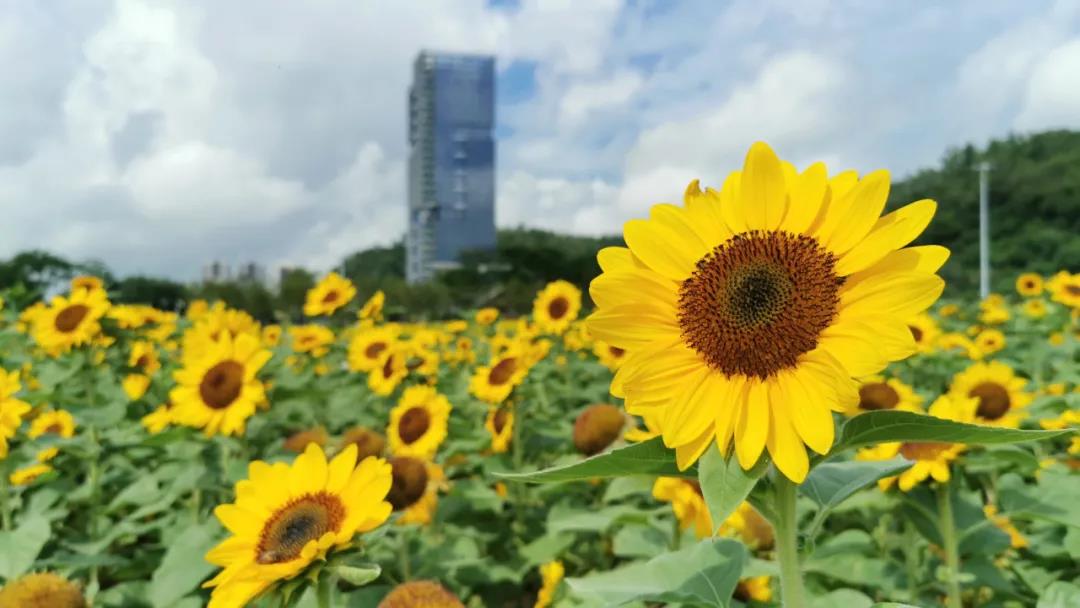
[
  {"x": 884, "y": 426},
  {"x": 1055, "y": 498},
  {"x": 358, "y": 575},
  {"x": 848, "y": 598},
  {"x": 645, "y": 458},
  {"x": 831, "y": 483},
  {"x": 1060, "y": 595},
  {"x": 20, "y": 547},
  {"x": 725, "y": 484},
  {"x": 705, "y": 574},
  {"x": 184, "y": 565}
]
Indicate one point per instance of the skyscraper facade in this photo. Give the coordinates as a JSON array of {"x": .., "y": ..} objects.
[{"x": 451, "y": 161}]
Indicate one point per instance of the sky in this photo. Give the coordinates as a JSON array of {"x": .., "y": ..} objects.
[{"x": 159, "y": 135}]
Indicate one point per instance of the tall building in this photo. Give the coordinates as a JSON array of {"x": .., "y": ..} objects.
[{"x": 451, "y": 161}]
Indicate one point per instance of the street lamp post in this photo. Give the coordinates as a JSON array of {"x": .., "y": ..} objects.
[{"x": 984, "y": 229}]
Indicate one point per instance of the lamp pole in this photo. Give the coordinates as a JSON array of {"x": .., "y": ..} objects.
[{"x": 984, "y": 229}]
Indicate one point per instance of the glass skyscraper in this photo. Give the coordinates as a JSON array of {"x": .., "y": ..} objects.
[{"x": 451, "y": 161}]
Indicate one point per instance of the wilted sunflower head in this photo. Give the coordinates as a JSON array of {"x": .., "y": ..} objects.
[
  {"x": 42, "y": 590},
  {"x": 298, "y": 441},
  {"x": 410, "y": 479},
  {"x": 367, "y": 442},
  {"x": 420, "y": 594},
  {"x": 597, "y": 427}
]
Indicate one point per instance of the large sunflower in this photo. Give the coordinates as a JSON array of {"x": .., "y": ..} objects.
[
  {"x": 70, "y": 321},
  {"x": 747, "y": 313},
  {"x": 333, "y": 292},
  {"x": 556, "y": 306},
  {"x": 1065, "y": 288},
  {"x": 418, "y": 422},
  {"x": 999, "y": 390},
  {"x": 494, "y": 383},
  {"x": 877, "y": 393},
  {"x": 219, "y": 391},
  {"x": 285, "y": 517}
]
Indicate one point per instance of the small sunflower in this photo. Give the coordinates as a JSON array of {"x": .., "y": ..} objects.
[
  {"x": 418, "y": 422},
  {"x": 42, "y": 590},
  {"x": 556, "y": 306},
  {"x": 271, "y": 335},
  {"x": 287, "y": 516},
  {"x": 414, "y": 490},
  {"x": 755, "y": 588},
  {"x": 990, "y": 341},
  {"x": 135, "y": 386},
  {"x": 1029, "y": 284},
  {"x": 772, "y": 294},
  {"x": 877, "y": 393},
  {"x": 298, "y": 441},
  {"x": 925, "y": 330},
  {"x": 372, "y": 309},
  {"x": 487, "y": 316},
  {"x": 367, "y": 442},
  {"x": 1035, "y": 308},
  {"x": 423, "y": 510},
  {"x": 144, "y": 357},
  {"x": 86, "y": 283},
  {"x": 389, "y": 373},
  {"x": 312, "y": 339},
  {"x": 1065, "y": 289},
  {"x": 53, "y": 422},
  {"x": 367, "y": 348},
  {"x": 551, "y": 574},
  {"x": 999, "y": 391},
  {"x": 955, "y": 341},
  {"x": 597, "y": 427},
  {"x": 219, "y": 391},
  {"x": 494, "y": 383},
  {"x": 330, "y": 294},
  {"x": 420, "y": 594},
  {"x": 1016, "y": 539},
  {"x": 70, "y": 321},
  {"x": 500, "y": 425},
  {"x": 754, "y": 530},
  {"x": 29, "y": 474},
  {"x": 159, "y": 419},
  {"x": 610, "y": 356},
  {"x": 687, "y": 502}
]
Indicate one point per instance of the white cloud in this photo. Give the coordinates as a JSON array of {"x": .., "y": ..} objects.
[
  {"x": 1052, "y": 99},
  {"x": 583, "y": 100}
]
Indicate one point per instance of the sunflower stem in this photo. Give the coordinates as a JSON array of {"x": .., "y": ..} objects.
[
  {"x": 324, "y": 592},
  {"x": 947, "y": 526},
  {"x": 403, "y": 555},
  {"x": 5, "y": 510},
  {"x": 787, "y": 544}
]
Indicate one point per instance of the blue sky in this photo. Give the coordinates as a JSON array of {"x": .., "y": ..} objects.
[{"x": 160, "y": 135}]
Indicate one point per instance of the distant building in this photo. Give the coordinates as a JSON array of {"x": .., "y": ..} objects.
[
  {"x": 216, "y": 272},
  {"x": 451, "y": 161},
  {"x": 251, "y": 273}
]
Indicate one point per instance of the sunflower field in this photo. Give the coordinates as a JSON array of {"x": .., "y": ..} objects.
[{"x": 743, "y": 411}]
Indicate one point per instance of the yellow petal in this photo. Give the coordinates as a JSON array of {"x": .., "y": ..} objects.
[
  {"x": 630, "y": 326},
  {"x": 864, "y": 210},
  {"x": 692, "y": 411},
  {"x": 662, "y": 248},
  {"x": 762, "y": 188},
  {"x": 924, "y": 258},
  {"x": 613, "y": 288},
  {"x": 835, "y": 206},
  {"x": 727, "y": 405},
  {"x": 854, "y": 345},
  {"x": 807, "y": 195},
  {"x": 784, "y": 445},
  {"x": 703, "y": 209},
  {"x": 903, "y": 294},
  {"x": 810, "y": 414},
  {"x": 614, "y": 259},
  {"x": 686, "y": 455},
  {"x": 752, "y": 426}
]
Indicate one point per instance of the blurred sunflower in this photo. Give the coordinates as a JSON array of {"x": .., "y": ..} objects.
[
  {"x": 754, "y": 530},
  {"x": 999, "y": 391},
  {"x": 687, "y": 502},
  {"x": 556, "y": 306},
  {"x": 389, "y": 373},
  {"x": 500, "y": 425},
  {"x": 53, "y": 422},
  {"x": 367, "y": 442},
  {"x": 877, "y": 393},
  {"x": 755, "y": 588},
  {"x": 551, "y": 574},
  {"x": 1029, "y": 284},
  {"x": 422, "y": 510},
  {"x": 330, "y": 294},
  {"x": 86, "y": 283},
  {"x": 610, "y": 356},
  {"x": 372, "y": 309},
  {"x": 420, "y": 594},
  {"x": 42, "y": 590},
  {"x": 747, "y": 313},
  {"x": 70, "y": 321},
  {"x": 29, "y": 474},
  {"x": 925, "y": 330},
  {"x": 271, "y": 335},
  {"x": 494, "y": 383},
  {"x": 1035, "y": 308},
  {"x": 414, "y": 489},
  {"x": 219, "y": 390},
  {"x": 955, "y": 341},
  {"x": 298, "y": 441},
  {"x": 487, "y": 316},
  {"x": 12, "y": 410},
  {"x": 1003, "y": 523},
  {"x": 287, "y": 516},
  {"x": 135, "y": 385},
  {"x": 990, "y": 341},
  {"x": 312, "y": 339},
  {"x": 418, "y": 422},
  {"x": 1065, "y": 289},
  {"x": 144, "y": 357},
  {"x": 157, "y": 420},
  {"x": 597, "y": 427},
  {"x": 367, "y": 347}
]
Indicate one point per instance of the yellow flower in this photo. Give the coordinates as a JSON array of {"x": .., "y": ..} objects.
[
  {"x": 47, "y": 454},
  {"x": 556, "y": 306},
  {"x": 1016, "y": 539},
  {"x": 271, "y": 335},
  {"x": 53, "y": 422},
  {"x": 753, "y": 529},
  {"x": 771, "y": 294},
  {"x": 949, "y": 310},
  {"x": 994, "y": 315},
  {"x": 755, "y": 588},
  {"x": 11, "y": 410},
  {"x": 196, "y": 309},
  {"x": 28, "y": 475},
  {"x": 144, "y": 357},
  {"x": 422, "y": 510},
  {"x": 312, "y": 339},
  {"x": 157, "y": 420},
  {"x": 960, "y": 342},
  {"x": 372, "y": 309},
  {"x": 487, "y": 316},
  {"x": 72, "y": 321},
  {"x": 494, "y": 383},
  {"x": 135, "y": 386},
  {"x": 418, "y": 422},
  {"x": 298, "y": 441},
  {"x": 420, "y": 594},
  {"x": 500, "y": 425},
  {"x": 990, "y": 341},
  {"x": 551, "y": 574},
  {"x": 219, "y": 391},
  {"x": 652, "y": 429},
  {"x": 877, "y": 393},
  {"x": 42, "y": 590},
  {"x": 1065, "y": 289},
  {"x": 331, "y": 293},
  {"x": 389, "y": 373},
  {"x": 610, "y": 356},
  {"x": 687, "y": 502},
  {"x": 367, "y": 348},
  {"x": 999, "y": 391},
  {"x": 1035, "y": 308},
  {"x": 924, "y": 329},
  {"x": 287, "y": 516},
  {"x": 86, "y": 283},
  {"x": 1029, "y": 284},
  {"x": 597, "y": 427},
  {"x": 367, "y": 442}
]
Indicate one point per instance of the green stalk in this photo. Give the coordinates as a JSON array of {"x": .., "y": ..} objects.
[
  {"x": 5, "y": 509},
  {"x": 947, "y": 526},
  {"x": 324, "y": 592},
  {"x": 792, "y": 591}
]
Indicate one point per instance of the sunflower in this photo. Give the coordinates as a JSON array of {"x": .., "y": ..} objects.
[
  {"x": 999, "y": 391},
  {"x": 747, "y": 313},
  {"x": 1065, "y": 289},
  {"x": 551, "y": 574},
  {"x": 28, "y": 475},
  {"x": 42, "y": 590},
  {"x": 389, "y": 373},
  {"x": 924, "y": 329},
  {"x": 754, "y": 530},
  {"x": 494, "y": 383},
  {"x": 990, "y": 341},
  {"x": 219, "y": 391},
  {"x": 157, "y": 420},
  {"x": 218, "y": 322},
  {"x": 955, "y": 341},
  {"x": 487, "y": 316},
  {"x": 298, "y": 441},
  {"x": 420, "y": 594},
  {"x": 556, "y": 306},
  {"x": 418, "y": 422},
  {"x": 367, "y": 348},
  {"x": 144, "y": 357},
  {"x": 1035, "y": 308},
  {"x": 931, "y": 459},
  {"x": 367, "y": 442},
  {"x": 687, "y": 502},
  {"x": 53, "y": 422},
  {"x": 414, "y": 490},
  {"x": 500, "y": 425},
  {"x": 71, "y": 321},
  {"x": 1029, "y": 284},
  {"x": 271, "y": 335},
  {"x": 86, "y": 283},
  {"x": 949, "y": 310},
  {"x": 287, "y": 516},
  {"x": 11, "y": 410},
  {"x": 652, "y": 429},
  {"x": 422, "y": 511},
  {"x": 877, "y": 393},
  {"x": 1003, "y": 523},
  {"x": 330, "y": 294},
  {"x": 597, "y": 427},
  {"x": 135, "y": 386},
  {"x": 755, "y": 588},
  {"x": 312, "y": 339},
  {"x": 373, "y": 308},
  {"x": 610, "y": 356}
]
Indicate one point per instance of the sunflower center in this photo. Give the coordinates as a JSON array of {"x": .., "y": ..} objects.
[
  {"x": 296, "y": 524},
  {"x": 499, "y": 422},
  {"x": 557, "y": 308},
  {"x": 388, "y": 367},
  {"x": 69, "y": 318},
  {"x": 758, "y": 301},
  {"x": 413, "y": 424},
  {"x": 920, "y": 450},
  {"x": 143, "y": 361},
  {"x": 409, "y": 482},
  {"x": 330, "y": 297},
  {"x": 877, "y": 396},
  {"x": 221, "y": 384},
  {"x": 54, "y": 428},
  {"x": 500, "y": 374},
  {"x": 374, "y": 349},
  {"x": 1073, "y": 290},
  {"x": 916, "y": 333},
  {"x": 993, "y": 400}
]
